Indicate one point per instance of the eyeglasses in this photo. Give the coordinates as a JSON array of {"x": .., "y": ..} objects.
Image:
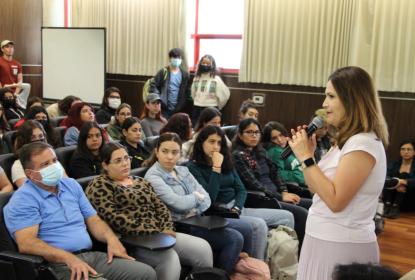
[
  {"x": 255, "y": 133},
  {"x": 407, "y": 149},
  {"x": 120, "y": 160}
]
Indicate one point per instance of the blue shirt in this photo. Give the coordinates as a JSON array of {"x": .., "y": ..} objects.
[
  {"x": 174, "y": 88},
  {"x": 61, "y": 217}
]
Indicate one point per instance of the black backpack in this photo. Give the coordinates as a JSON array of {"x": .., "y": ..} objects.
[{"x": 207, "y": 273}]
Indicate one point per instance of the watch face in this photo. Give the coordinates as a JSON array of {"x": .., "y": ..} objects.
[{"x": 308, "y": 162}]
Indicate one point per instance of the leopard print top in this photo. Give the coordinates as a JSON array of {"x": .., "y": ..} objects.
[{"x": 132, "y": 210}]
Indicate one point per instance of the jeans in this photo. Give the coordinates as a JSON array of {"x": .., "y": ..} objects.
[
  {"x": 23, "y": 95},
  {"x": 226, "y": 243},
  {"x": 300, "y": 217},
  {"x": 189, "y": 250}
]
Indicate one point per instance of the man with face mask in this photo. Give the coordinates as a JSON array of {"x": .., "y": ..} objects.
[
  {"x": 49, "y": 216},
  {"x": 11, "y": 75},
  {"x": 172, "y": 84}
]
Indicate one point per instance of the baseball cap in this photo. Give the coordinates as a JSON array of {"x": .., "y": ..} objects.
[
  {"x": 6, "y": 42},
  {"x": 152, "y": 97}
]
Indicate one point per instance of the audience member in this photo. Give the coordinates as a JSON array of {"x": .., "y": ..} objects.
[
  {"x": 151, "y": 119},
  {"x": 322, "y": 136},
  {"x": 211, "y": 164},
  {"x": 61, "y": 108},
  {"x": 180, "y": 124},
  {"x": 208, "y": 89},
  {"x": 4, "y": 125},
  {"x": 78, "y": 114},
  {"x": 347, "y": 181},
  {"x": 33, "y": 101},
  {"x": 404, "y": 169},
  {"x": 5, "y": 185},
  {"x": 172, "y": 84},
  {"x": 41, "y": 115},
  {"x": 131, "y": 130},
  {"x": 11, "y": 74},
  {"x": 258, "y": 173},
  {"x": 247, "y": 110},
  {"x": 185, "y": 197},
  {"x": 110, "y": 102},
  {"x": 274, "y": 140},
  {"x": 114, "y": 128},
  {"x": 115, "y": 195},
  {"x": 49, "y": 216},
  {"x": 364, "y": 271},
  {"x": 86, "y": 161},
  {"x": 11, "y": 110}
]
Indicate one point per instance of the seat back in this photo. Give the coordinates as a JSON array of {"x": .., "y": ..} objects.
[
  {"x": 60, "y": 131},
  {"x": 151, "y": 142},
  {"x": 64, "y": 155},
  {"x": 6, "y": 242},
  {"x": 84, "y": 181},
  {"x": 6, "y": 161},
  {"x": 140, "y": 172},
  {"x": 55, "y": 122},
  {"x": 230, "y": 131},
  {"x": 8, "y": 138},
  {"x": 12, "y": 122}
]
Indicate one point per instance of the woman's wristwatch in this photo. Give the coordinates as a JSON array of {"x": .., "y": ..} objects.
[{"x": 308, "y": 162}]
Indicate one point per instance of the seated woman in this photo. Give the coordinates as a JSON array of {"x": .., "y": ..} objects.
[
  {"x": 78, "y": 114},
  {"x": 274, "y": 140},
  {"x": 151, "y": 119},
  {"x": 110, "y": 102},
  {"x": 323, "y": 137},
  {"x": 5, "y": 185},
  {"x": 85, "y": 161},
  {"x": 212, "y": 166},
  {"x": 40, "y": 114},
  {"x": 404, "y": 169},
  {"x": 185, "y": 197},
  {"x": 131, "y": 130},
  {"x": 4, "y": 126},
  {"x": 180, "y": 124},
  {"x": 11, "y": 108},
  {"x": 114, "y": 128},
  {"x": 258, "y": 173},
  {"x": 33, "y": 101},
  {"x": 28, "y": 132},
  {"x": 208, "y": 116},
  {"x": 61, "y": 108},
  {"x": 131, "y": 207}
]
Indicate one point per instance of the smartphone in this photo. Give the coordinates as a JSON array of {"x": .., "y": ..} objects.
[{"x": 98, "y": 275}]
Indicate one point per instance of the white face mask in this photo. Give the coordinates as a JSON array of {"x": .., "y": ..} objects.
[{"x": 114, "y": 103}]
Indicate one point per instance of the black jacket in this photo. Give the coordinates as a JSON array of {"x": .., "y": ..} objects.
[
  {"x": 138, "y": 155},
  {"x": 103, "y": 116},
  {"x": 82, "y": 165}
]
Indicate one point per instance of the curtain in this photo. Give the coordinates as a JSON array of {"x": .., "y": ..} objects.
[
  {"x": 301, "y": 42},
  {"x": 139, "y": 32}
]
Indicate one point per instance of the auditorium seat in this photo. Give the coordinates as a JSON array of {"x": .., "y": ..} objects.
[
  {"x": 8, "y": 138},
  {"x": 230, "y": 131},
  {"x": 6, "y": 161},
  {"x": 55, "y": 122},
  {"x": 140, "y": 172},
  {"x": 12, "y": 123},
  {"x": 64, "y": 155},
  {"x": 151, "y": 142},
  {"x": 84, "y": 181}
]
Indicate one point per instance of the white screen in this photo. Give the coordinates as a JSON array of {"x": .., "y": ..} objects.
[{"x": 74, "y": 63}]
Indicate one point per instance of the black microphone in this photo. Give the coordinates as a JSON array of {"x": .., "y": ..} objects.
[{"x": 315, "y": 124}]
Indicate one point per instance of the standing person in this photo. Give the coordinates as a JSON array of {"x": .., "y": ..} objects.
[
  {"x": 110, "y": 102},
  {"x": 11, "y": 75},
  {"x": 340, "y": 227},
  {"x": 404, "y": 169},
  {"x": 114, "y": 128},
  {"x": 208, "y": 89},
  {"x": 151, "y": 119},
  {"x": 131, "y": 130},
  {"x": 172, "y": 84},
  {"x": 50, "y": 216}
]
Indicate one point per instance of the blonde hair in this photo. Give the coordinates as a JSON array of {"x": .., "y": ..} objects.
[{"x": 363, "y": 111}]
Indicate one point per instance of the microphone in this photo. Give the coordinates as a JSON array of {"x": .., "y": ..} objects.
[{"x": 315, "y": 124}]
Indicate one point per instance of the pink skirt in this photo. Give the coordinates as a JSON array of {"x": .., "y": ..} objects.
[{"x": 319, "y": 257}]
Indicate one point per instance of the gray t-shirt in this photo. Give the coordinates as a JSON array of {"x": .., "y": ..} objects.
[{"x": 151, "y": 127}]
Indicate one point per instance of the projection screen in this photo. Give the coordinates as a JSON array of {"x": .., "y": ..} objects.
[{"x": 73, "y": 63}]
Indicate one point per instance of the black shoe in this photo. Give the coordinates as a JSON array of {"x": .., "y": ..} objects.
[
  {"x": 394, "y": 212},
  {"x": 386, "y": 210}
]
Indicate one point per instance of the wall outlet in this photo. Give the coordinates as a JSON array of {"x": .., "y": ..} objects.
[{"x": 258, "y": 99}]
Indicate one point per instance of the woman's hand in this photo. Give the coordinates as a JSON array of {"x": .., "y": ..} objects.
[
  {"x": 302, "y": 146},
  {"x": 290, "y": 197},
  {"x": 217, "y": 159}
]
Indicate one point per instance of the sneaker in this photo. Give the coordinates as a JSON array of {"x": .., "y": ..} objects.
[
  {"x": 394, "y": 212},
  {"x": 386, "y": 210}
]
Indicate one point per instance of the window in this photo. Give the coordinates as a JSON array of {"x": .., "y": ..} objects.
[{"x": 215, "y": 27}]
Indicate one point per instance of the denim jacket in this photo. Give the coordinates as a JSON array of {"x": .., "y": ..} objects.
[{"x": 178, "y": 194}]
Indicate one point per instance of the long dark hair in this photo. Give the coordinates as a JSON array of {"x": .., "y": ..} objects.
[
  {"x": 238, "y": 144},
  {"x": 108, "y": 91},
  {"x": 213, "y": 72},
  {"x": 207, "y": 115},
  {"x": 24, "y": 134},
  {"x": 52, "y": 136},
  {"x": 107, "y": 150},
  {"x": 65, "y": 104},
  {"x": 74, "y": 116},
  {"x": 83, "y": 137},
  {"x": 178, "y": 123},
  {"x": 129, "y": 122},
  {"x": 167, "y": 136},
  {"x": 266, "y": 133},
  {"x": 199, "y": 155}
]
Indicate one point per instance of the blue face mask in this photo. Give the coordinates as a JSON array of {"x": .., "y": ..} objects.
[
  {"x": 52, "y": 174},
  {"x": 175, "y": 62}
]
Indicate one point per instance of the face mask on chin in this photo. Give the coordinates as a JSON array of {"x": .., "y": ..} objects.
[
  {"x": 51, "y": 175},
  {"x": 114, "y": 103}
]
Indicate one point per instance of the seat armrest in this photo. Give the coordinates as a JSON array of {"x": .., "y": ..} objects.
[
  {"x": 207, "y": 222},
  {"x": 154, "y": 242},
  {"x": 260, "y": 193},
  {"x": 17, "y": 257}
]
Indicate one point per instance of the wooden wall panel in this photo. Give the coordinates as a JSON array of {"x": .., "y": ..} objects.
[
  {"x": 21, "y": 22},
  {"x": 291, "y": 105}
]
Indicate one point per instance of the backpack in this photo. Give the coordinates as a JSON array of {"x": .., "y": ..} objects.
[
  {"x": 146, "y": 86},
  {"x": 207, "y": 273},
  {"x": 282, "y": 253},
  {"x": 248, "y": 268}
]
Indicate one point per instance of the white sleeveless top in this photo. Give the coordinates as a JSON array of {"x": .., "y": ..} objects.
[{"x": 355, "y": 222}]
